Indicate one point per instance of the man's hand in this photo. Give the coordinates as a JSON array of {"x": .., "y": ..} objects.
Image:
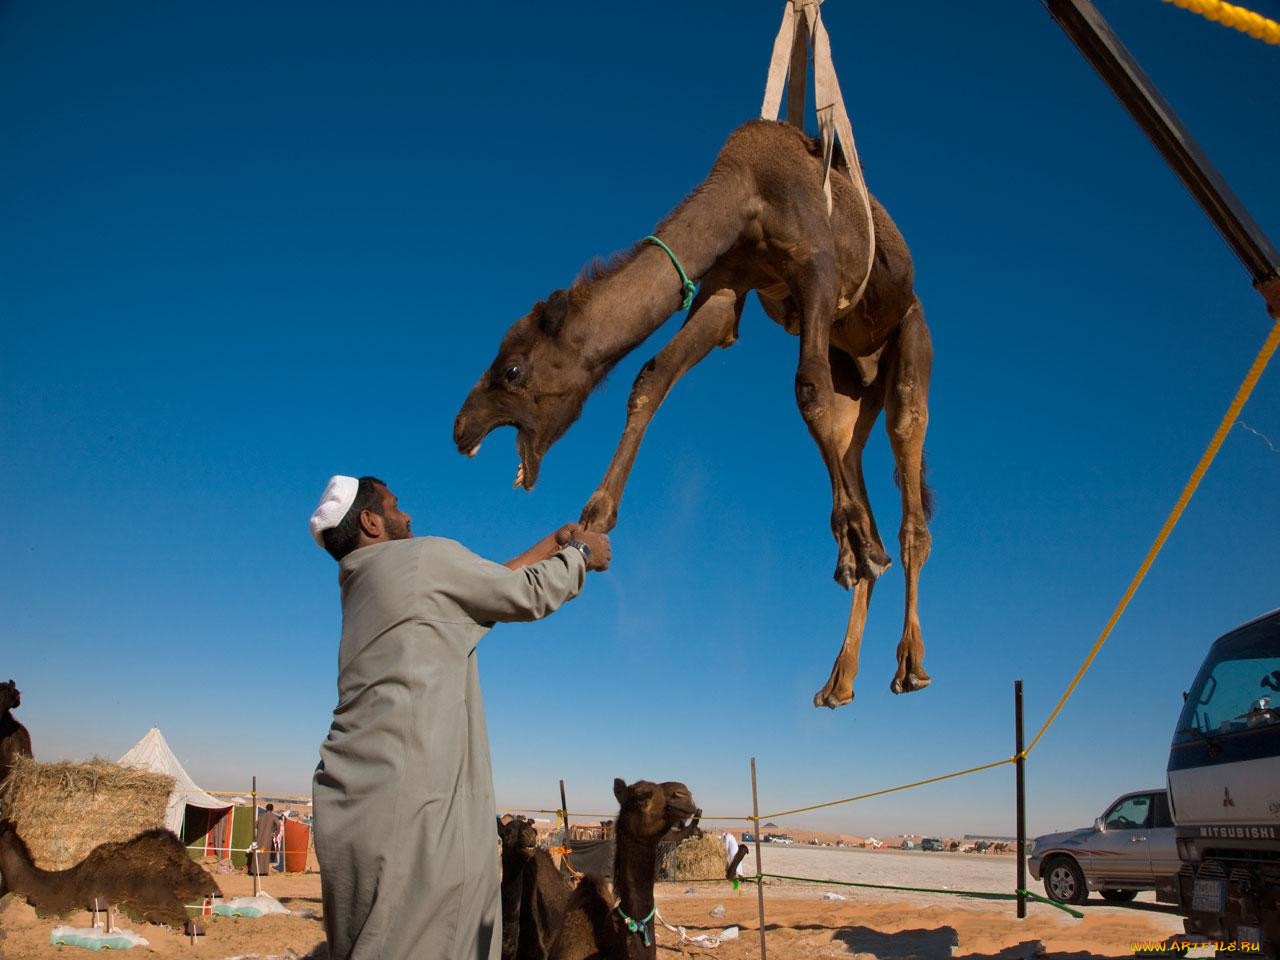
[{"x": 597, "y": 543}]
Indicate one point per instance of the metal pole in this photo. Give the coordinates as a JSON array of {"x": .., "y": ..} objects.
[
  {"x": 1021, "y": 800},
  {"x": 253, "y": 854},
  {"x": 564, "y": 810},
  {"x": 755, "y": 820},
  {"x": 1093, "y": 36}
]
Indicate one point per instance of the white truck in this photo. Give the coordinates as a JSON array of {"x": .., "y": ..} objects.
[{"x": 1224, "y": 790}]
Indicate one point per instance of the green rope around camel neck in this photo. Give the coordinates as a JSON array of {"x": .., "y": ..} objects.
[
  {"x": 687, "y": 286},
  {"x": 639, "y": 926}
]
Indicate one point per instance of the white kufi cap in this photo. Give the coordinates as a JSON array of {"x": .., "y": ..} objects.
[{"x": 338, "y": 497}]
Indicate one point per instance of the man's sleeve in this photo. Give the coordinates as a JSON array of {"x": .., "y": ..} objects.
[{"x": 491, "y": 593}]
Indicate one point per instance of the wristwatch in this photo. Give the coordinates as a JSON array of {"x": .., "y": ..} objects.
[{"x": 582, "y": 548}]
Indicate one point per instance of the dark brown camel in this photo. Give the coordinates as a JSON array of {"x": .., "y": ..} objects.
[
  {"x": 758, "y": 222},
  {"x": 598, "y": 926},
  {"x": 534, "y": 894},
  {"x": 15, "y": 741},
  {"x": 151, "y": 878}
]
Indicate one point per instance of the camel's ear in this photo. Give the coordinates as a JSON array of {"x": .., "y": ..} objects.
[
  {"x": 619, "y": 788},
  {"x": 553, "y": 314}
]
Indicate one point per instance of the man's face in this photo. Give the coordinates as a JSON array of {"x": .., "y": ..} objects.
[{"x": 396, "y": 522}]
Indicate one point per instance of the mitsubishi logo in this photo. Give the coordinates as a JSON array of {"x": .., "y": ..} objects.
[{"x": 1226, "y": 797}]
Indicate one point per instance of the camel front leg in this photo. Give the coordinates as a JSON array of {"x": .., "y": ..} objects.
[
  {"x": 713, "y": 320},
  {"x": 907, "y": 418}
]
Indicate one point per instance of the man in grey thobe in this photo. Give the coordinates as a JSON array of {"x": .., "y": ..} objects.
[{"x": 404, "y": 803}]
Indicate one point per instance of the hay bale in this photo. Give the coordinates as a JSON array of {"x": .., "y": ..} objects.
[
  {"x": 63, "y": 810},
  {"x": 701, "y": 858}
]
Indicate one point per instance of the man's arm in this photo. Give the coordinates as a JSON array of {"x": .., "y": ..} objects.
[
  {"x": 492, "y": 592},
  {"x": 544, "y": 548}
]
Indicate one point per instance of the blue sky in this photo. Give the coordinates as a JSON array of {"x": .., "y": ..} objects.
[{"x": 244, "y": 248}]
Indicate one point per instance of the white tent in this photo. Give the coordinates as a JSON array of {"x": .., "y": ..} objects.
[{"x": 152, "y": 753}]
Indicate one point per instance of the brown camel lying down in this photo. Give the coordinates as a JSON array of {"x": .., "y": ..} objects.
[
  {"x": 534, "y": 894},
  {"x": 598, "y": 926},
  {"x": 151, "y": 878}
]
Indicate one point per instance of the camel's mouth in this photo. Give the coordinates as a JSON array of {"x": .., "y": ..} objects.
[
  {"x": 681, "y": 813},
  {"x": 528, "y": 449}
]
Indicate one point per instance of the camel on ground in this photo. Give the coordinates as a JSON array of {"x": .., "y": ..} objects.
[
  {"x": 151, "y": 877},
  {"x": 534, "y": 894},
  {"x": 600, "y": 926},
  {"x": 758, "y": 222},
  {"x": 15, "y": 741}
]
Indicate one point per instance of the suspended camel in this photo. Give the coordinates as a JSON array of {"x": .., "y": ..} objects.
[{"x": 759, "y": 222}]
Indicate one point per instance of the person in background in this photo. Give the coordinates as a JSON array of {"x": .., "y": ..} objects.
[{"x": 263, "y": 832}]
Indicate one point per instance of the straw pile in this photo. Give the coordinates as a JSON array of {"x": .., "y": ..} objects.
[
  {"x": 701, "y": 858},
  {"x": 64, "y": 810}
]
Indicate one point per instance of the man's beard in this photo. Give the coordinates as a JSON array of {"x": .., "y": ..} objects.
[{"x": 398, "y": 530}]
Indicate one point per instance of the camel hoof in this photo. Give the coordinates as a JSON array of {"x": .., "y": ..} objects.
[
  {"x": 912, "y": 683},
  {"x": 846, "y": 575},
  {"x": 600, "y": 515},
  {"x": 827, "y": 698}
]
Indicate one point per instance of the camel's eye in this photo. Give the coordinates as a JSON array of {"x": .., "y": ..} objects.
[{"x": 513, "y": 374}]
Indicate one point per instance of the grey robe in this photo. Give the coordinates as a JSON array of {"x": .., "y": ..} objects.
[
  {"x": 404, "y": 805},
  {"x": 263, "y": 834}
]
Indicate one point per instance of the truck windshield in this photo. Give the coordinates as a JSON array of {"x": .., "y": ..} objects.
[{"x": 1238, "y": 688}]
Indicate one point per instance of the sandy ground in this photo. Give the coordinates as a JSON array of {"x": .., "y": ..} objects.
[{"x": 800, "y": 925}]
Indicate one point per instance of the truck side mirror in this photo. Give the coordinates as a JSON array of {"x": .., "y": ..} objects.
[
  {"x": 1099, "y": 824},
  {"x": 1184, "y": 696}
]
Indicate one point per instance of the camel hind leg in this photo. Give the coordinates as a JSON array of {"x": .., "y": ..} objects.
[
  {"x": 857, "y": 407},
  {"x": 858, "y": 557},
  {"x": 907, "y": 418}
]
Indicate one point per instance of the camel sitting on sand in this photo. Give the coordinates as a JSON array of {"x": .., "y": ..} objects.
[
  {"x": 601, "y": 926},
  {"x": 534, "y": 894},
  {"x": 151, "y": 877},
  {"x": 15, "y": 741},
  {"x": 759, "y": 222}
]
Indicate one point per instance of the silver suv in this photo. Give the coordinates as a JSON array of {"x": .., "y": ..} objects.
[{"x": 1129, "y": 848}]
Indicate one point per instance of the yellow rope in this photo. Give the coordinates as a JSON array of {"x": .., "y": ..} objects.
[
  {"x": 881, "y": 793},
  {"x": 1228, "y": 421},
  {"x": 1237, "y": 18}
]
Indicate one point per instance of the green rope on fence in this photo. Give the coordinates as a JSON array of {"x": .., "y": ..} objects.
[{"x": 974, "y": 894}]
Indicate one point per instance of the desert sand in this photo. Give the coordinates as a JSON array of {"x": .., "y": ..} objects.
[{"x": 800, "y": 925}]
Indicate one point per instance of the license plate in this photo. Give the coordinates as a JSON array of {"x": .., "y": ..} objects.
[
  {"x": 1249, "y": 935},
  {"x": 1209, "y": 896}
]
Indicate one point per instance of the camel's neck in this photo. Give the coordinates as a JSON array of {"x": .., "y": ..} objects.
[
  {"x": 630, "y": 302},
  {"x": 634, "y": 870},
  {"x": 15, "y": 862}
]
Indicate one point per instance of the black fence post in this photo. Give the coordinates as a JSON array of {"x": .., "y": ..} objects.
[{"x": 1021, "y": 801}]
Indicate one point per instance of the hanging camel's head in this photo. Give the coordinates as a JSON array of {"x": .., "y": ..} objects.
[
  {"x": 10, "y": 698},
  {"x": 647, "y": 811},
  {"x": 538, "y": 384}
]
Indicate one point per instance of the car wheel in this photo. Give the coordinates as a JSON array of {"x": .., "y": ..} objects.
[
  {"x": 1064, "y": 881},
  {"x": 1119, "y": 896}
]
